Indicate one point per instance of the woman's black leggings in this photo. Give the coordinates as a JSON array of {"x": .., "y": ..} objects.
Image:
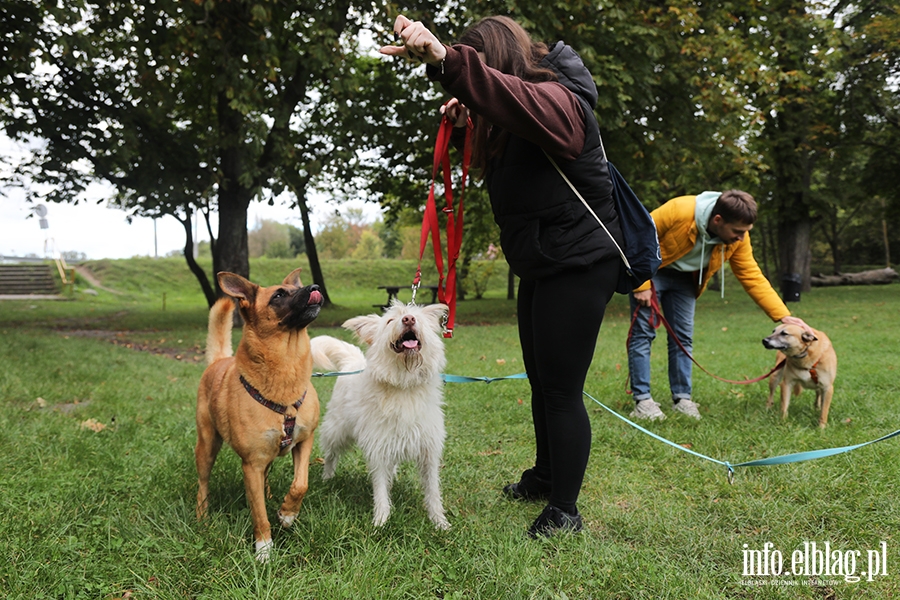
[{"x": 559, "y": 320}]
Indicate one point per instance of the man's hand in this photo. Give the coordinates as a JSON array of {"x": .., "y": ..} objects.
[
  {"x": 418, "y": 42},
  {"x": 798, "y": 322},
  {"x": 644, "y": 298}
]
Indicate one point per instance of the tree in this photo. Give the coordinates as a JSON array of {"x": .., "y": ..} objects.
[
  {"x": 369, "y": 246},
  {"x": 267, "y": 234},
  {"x": 187, "y": 106}
]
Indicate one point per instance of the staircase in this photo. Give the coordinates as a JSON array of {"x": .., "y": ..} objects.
[{"x": 27, "y": 280}]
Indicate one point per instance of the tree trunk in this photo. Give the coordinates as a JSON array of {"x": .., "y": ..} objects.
[
  {"x": 208, "y": 291},
  {"x": 462, "y": 277},
  {"x": 793, "y": 239},
  {"x": 232, "y": 253},
  {"x": 876, "y": 277},
  {"x": 794, "y": 224},
  {"x": 884, "y": 233},
  {"x": 311, "y": 253}
]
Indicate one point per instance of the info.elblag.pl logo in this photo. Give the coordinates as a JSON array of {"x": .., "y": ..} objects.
[{"x": 816, "y": 560}]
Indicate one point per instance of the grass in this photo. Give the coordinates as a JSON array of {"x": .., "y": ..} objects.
[{"x": 109, "y": 513}]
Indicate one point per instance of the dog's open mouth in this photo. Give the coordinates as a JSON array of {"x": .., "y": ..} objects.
[{"x": 408, "y": 342}]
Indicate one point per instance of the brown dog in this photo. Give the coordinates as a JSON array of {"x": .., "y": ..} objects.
[
  {"x": 260, "y": 400},
  {"x": 810, "y": 362}
]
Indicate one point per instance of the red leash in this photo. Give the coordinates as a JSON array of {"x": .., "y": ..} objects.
[
  {"x": 430, "y": 224},
  {"x": 656, "y": 319}
]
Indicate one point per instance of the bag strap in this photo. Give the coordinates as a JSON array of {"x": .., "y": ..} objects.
[{"x": 590, "y": 210}]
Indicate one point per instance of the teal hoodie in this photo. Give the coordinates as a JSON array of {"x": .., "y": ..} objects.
[{"x": 698, "y": 258}]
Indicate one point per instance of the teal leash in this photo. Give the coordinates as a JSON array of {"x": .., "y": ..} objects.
[
  {"x": 445, "y": 378},
  {"x": 730, "y": 467},
  {"x": 762, "y": 462},
  {"x": 336, "y": 373},
  {"x": 465, "y": 379}
]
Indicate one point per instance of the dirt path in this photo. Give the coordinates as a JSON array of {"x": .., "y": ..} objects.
[
  {"x": 157, "y": 346},
  {"x": 87, "y": 274}
]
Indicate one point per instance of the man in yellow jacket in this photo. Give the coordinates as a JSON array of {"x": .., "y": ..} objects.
[{"x": 697, "y": 234}]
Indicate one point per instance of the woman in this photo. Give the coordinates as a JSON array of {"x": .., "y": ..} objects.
[{"x": 530, "y": 103}]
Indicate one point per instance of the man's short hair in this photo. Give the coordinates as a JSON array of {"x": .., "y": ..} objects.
[{"x": 736, "y": 206}]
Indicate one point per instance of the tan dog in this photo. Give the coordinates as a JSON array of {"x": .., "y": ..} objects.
[
  {"x": 260, "y": 400},
  {"x": 810, "y": 362}
]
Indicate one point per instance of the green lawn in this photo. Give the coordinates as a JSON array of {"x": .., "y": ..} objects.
[{"x": 98, "y": 482}]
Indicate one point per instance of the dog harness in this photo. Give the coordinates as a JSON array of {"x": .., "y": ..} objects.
[
  {"x": 289, "y": 422},
  {"x": 813, "y": 375},
  {"x": 812, "y": 370}
]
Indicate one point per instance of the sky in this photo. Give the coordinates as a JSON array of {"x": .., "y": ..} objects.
[{"x": 98, "y": 231}]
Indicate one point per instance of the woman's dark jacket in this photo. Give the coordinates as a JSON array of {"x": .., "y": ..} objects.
[{"x": 544, "y": 227}]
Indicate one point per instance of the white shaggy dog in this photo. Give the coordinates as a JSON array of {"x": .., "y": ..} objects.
[{"x": 393, "y": 409}]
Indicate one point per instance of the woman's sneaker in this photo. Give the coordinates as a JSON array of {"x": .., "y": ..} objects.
[
  {"x": 648, "y": 409},
  {"x": 554, "y": 520},
  {"x": 530, "y": 487}
]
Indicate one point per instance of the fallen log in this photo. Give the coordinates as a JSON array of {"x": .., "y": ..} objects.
[{"x": 873, "y": 277}]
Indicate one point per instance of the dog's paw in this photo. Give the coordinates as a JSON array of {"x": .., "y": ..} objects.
[
  {"x": 264, "y": 550},
  {"x": 286, "y": 520},
  {"x": 442, "y": 523},
  {"x": 380, "y": 519}
]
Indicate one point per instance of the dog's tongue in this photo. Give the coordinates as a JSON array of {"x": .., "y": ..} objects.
[
  {"x": 410, "y": 343},
  {"x": 315, "y": 297}
]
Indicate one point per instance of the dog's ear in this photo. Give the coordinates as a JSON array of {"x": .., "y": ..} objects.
[
  {"x": 236, "y": 286},
  {"x": 293, "y": 278},
  {"x": 808, "y": 337},
  {"x": 365, "y": 328},
  {"x": 435, "y": 312}
]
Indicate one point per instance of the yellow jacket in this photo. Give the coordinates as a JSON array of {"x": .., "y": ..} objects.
[{"x": 677, "y": 230}]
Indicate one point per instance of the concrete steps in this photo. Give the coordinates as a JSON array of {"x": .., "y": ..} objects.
[{"x": 27, "y": 280}]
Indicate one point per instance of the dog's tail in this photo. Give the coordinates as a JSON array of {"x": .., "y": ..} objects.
[
  {"x": 332, "y": 354},
  {"x": 218, "y": 339}
]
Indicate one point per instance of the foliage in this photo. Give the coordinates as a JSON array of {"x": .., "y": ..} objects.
[
  {"x": 479, "y": 276},
  {"x": 275, "y": 240},
  {"x": 369, "y": 246},
  {"x": 206, "y": 106}
]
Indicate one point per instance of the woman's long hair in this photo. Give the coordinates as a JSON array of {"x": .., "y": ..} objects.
[{"x": 507, "y": 47}]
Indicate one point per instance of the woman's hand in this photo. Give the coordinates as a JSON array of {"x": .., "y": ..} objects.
[
  {"x": 418, "y": 42},
  {"x": 456, "y": 111}
]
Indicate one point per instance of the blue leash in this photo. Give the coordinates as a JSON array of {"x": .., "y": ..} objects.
[
  {"x": 445, "y": 378},
  {"x": 773, "y": 460},
  {"x": 336, "y": 373},
  {"x": 464, "y": 379},
  {"x": 762, "y": 462}
]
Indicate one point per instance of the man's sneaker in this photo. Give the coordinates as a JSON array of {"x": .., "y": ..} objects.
[
  {"x": 554, "y": 520},
  {"x": 688, "y": 407},
  {"x": 648, "y": 409}
]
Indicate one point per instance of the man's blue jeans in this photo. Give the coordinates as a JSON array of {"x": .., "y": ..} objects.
[{"x": 676, "y": 291}]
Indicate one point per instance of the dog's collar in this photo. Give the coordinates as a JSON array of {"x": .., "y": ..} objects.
[
  {"x": 256, "y": 395},
  {"x": 289, "y": 422}
]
